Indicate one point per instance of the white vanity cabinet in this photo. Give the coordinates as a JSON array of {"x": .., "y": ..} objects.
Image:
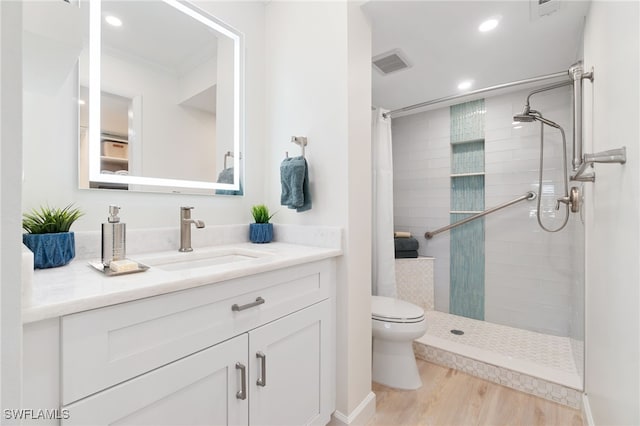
[
  {"x": 291, "y": 369},
  {"x": 196, "y": 390},
  {"x": 256, "y": 350}
]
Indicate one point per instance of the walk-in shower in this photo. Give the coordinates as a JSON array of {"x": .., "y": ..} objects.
[{"x": 517, "y": 293}]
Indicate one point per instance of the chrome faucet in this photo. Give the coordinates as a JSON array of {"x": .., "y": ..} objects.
[{"x": 185, "y": 228}]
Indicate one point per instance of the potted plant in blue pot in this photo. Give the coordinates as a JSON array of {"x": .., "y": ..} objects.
[
  {"x": 261, "y": 231},
  {"x": 48, "y": 235}
]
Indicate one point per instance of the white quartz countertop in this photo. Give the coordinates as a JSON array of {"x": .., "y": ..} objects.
[{"x": 78, "y": 287}]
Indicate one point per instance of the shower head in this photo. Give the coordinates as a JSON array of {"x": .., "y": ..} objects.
[
  {"x": 531, "y": 115},
  {"x": 526, "y": 116},
  {"x": 523, "y": 118}
]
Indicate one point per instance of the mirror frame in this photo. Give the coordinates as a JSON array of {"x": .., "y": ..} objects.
[{"x": 95, "y": 88}]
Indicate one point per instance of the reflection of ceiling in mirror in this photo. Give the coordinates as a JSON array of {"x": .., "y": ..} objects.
[{"x": 158, "y": 33}]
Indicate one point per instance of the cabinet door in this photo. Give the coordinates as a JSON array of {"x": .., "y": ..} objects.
[
  {"x": 197, "y": 390},
  {"x": 292, "y": 369}
]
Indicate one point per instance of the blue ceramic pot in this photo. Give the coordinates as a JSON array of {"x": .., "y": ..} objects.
[
  {"x": 260, "y": 232},
  {"x": 50, "y": 250}
]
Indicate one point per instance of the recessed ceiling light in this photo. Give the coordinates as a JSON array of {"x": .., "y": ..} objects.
[
  {"x": 464, "y": 85},
  {"x": 488, "y": 25},
  {"x": 112, "y": 20}
]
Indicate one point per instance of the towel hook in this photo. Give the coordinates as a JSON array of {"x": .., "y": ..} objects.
[
  {"x": 299, "y": 140},
  {"x": 226, "y": 156}
]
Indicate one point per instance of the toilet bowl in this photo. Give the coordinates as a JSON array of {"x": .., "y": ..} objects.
[{"x": 395, "y": 324}]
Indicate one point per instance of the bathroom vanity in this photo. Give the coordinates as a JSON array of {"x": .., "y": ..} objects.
[{"x": 243, "y": 341}]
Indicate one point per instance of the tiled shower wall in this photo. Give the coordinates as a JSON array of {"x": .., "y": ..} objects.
[{"x": 533, "y": 279}]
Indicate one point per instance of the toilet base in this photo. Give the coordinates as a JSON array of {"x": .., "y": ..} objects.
[{"x": 394, "y": 364}]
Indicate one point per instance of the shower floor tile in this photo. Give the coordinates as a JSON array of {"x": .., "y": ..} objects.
[{"x": 535, "y": 354}]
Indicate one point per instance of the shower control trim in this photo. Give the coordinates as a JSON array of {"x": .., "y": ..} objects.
[{"x": 572, "y": 200}]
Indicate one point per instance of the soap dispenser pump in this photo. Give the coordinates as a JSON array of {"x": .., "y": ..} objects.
[{"x": 113, "y": 238}]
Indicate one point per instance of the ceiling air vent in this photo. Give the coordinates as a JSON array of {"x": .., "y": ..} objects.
[
  {"x": 540, "y": 8},
  {"x": 389, "y": 62}
]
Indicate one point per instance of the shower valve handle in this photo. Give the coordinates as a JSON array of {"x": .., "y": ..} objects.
[
  {"x": 564, "y": 200},
  {"x": 572, "y": 200}
]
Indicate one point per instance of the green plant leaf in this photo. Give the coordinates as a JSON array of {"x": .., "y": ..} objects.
[
  {"x": 260, "y": 213},
  {"x": 47, "y": 220}
]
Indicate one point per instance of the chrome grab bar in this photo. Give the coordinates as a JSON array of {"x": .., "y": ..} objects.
[{"x": 528, "y": 196}]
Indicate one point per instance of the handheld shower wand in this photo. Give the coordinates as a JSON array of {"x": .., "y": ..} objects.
[{"x": 571, "y": 201}]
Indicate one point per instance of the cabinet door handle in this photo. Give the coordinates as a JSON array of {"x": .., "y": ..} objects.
[
  {"x": 236, "y": 308},
  {"x": 242, "y": 393},
  {"x": 262, "y": 381}
]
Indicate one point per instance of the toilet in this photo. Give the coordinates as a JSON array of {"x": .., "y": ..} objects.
[{"x": 395, "y": 324}]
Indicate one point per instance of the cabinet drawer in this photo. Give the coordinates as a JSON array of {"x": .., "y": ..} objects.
[{"x": 104, "y": 347}]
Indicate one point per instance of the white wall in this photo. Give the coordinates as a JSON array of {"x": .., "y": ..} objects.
[
  {"x": 612, "y": 102},
  {"x": 10, "y": 214},
  {"x": 51, "y": 149},
  {"x": 171, "y": 132},
  {"x": 319, "y": 85},
  {"x": 529, "y": 273}
]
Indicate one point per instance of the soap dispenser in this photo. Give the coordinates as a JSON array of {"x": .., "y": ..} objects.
[{"x": 113, "y": 238}]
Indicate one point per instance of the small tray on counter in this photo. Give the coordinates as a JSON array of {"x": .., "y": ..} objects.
[{"x": 96, "y": 264}]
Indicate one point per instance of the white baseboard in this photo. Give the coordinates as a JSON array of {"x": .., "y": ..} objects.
[
  {"x": 358, "y": 417},
  {"x": 587, "y": 417}
]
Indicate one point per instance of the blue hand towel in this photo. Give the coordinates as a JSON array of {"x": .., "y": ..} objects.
[
  {"x": 294, "y": 178},
  {"x": 226, "y": 176},
  {"x": 405, "y": 244}
]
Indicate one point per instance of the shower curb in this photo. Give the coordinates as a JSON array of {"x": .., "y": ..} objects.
[{"x": 500, "y": 375}]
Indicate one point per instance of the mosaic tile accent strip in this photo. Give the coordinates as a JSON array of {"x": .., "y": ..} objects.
[
  {"x": 467, "y": 262},
  {"x": 467, "y": 193},
  {"x": 467, "y": 268},
  {"x": 467, "y": 157},
  {"x": 518, "y": 381},
  {"x": 467, "y": 121},
  {"x": 414, "y": 281}
]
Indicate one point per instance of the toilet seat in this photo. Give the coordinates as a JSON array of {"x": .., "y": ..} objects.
[{"x": 389, "y": 309}]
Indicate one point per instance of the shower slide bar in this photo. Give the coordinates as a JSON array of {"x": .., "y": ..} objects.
[{"x": 529, "y": 196}]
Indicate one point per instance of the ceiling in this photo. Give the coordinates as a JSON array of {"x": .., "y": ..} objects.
[
  {"x": 441, "y": 41},
  {"x": 159, "y": 34}
]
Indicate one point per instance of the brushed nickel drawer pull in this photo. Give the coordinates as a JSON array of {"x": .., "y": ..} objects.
[
  {"x": 236, "y": 308},
  {"x": 242, "y": 393},
  {"x": 262, "y": 381}
]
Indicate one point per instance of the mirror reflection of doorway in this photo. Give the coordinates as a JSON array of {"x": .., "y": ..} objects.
[{"x": 117, "y": 137}]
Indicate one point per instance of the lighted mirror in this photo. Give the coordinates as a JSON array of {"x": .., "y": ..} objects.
[{"x": 160, "y": 100}]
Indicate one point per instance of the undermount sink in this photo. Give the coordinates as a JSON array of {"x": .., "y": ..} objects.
[{"x": 203, "y": 259}]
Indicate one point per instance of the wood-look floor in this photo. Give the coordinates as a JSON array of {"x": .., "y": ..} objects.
[{"x": 450, "y": 397}]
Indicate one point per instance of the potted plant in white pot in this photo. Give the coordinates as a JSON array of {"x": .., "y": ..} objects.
[
  {"x": 261, "y": 231},
  {"x": 48, "y": 235}
]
